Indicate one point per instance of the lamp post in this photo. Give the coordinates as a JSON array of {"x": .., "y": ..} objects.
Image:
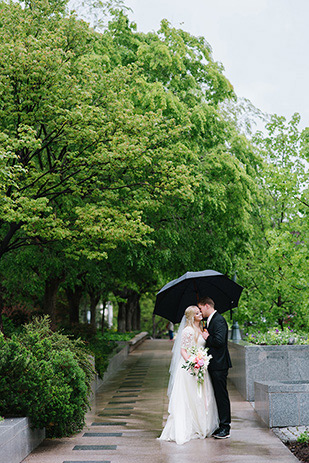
[{"x": 235, "y": 333}]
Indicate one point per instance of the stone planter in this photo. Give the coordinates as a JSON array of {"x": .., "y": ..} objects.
[
  {"x": 254, "y": 363},
  {"x": 18, "y": 439},
  {"x": 282, "y": 403}
]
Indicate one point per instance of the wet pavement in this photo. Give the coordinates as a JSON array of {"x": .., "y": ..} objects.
[{"x": 128, "y": 414}]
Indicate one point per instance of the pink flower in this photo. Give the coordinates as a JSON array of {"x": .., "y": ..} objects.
[
  {"x": 201, "y": 362},
  {"x": 196, "y": 366}
]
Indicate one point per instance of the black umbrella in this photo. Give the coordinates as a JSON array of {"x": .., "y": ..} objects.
[{"x": 173, "y": 299}]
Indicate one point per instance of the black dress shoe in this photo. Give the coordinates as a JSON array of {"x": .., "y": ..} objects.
[
  {"x": 216, "y": 431},
  {"x": 223, "y": 434}
]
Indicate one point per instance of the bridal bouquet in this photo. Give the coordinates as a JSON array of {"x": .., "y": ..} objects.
[{"x": 198, "y": 362}]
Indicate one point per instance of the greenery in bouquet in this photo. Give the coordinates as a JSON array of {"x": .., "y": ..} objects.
[{"x": 197, "y": 363}]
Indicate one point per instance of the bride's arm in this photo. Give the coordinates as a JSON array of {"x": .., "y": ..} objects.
[
  {"x": 185, "y": 354},
  {"x": 187, "y": 341}
]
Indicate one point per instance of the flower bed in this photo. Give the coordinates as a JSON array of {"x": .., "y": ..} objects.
[{"x": 276, "y": 336}]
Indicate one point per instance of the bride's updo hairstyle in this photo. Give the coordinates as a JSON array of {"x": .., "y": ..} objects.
[{"x": 189, "y": 313}]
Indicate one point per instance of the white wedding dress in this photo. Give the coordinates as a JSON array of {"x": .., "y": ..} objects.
[{"x": 192, "y": 407}]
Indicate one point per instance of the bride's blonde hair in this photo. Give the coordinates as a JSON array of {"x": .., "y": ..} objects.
[{"x": 189, "y": 313}]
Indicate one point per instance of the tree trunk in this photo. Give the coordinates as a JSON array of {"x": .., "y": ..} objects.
[
  {"x": 131, "y": 307},
  {"x": 154, "y": 326},
  {"x": 1, "y": 307},
  {"x": 136, "y": 325},
  {"x": 121, "y": 317},
  {"x": 94, "y": 300},
  {"x": 103, "y": 314},
  {"x": 129, "y": 315},
  {"x": 50, "y": 297},
  {"x": 74, "y": 297}
]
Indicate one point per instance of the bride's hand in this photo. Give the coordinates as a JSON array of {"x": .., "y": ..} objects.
[{"x": 205, "y": 334}]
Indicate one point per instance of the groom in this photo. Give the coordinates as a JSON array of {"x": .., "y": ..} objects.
[{"x": 216, "y": 336}]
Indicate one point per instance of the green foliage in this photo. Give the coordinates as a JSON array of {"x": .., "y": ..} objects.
[
  {"x": 45, "y": 376},
  {"x": 276, "y": 272},
  {"x": 9, "y": 327},
  {"x": 115, "y": 154},
  {"x": 80, "y": 162},
  {"x": 101, "y": 346},
  {"x": 303, "y": 438},
  {"x": 147, "y": 322},
  {"x": 276, "y": 336}
]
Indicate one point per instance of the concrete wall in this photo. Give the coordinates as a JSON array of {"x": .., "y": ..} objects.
[
  {"x": 17, "y": 439},
  {"x": 266, "y": 363}
]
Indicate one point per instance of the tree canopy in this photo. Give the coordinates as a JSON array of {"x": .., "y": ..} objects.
[{"x": 119, "y": 167}]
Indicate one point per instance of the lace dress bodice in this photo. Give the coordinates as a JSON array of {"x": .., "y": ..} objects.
[{"x": 188, "y": 339}]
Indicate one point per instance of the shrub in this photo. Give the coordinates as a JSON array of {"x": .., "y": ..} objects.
[
  {"x": 304, "y": 438},
  {"x": 102, "y": 346},
  {"x": 45, "y": 376}
]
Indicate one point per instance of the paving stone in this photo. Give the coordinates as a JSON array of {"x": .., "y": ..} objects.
[
  {"x": 126, "y": 402},
  {"x": 135, "y": 378},
  {"x": 133, "y": 381},
  {"x": 102, "y": 434},
  {"x": 95, "y": 447},
  {"x": 107, "y": 423},
  {"x": 128, "y": 385},
  {"x": 119, "y": 408},
  {"x": 121, "y": 392}
]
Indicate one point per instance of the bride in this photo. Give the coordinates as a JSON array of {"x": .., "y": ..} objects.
[{"x": 192, "y": 407}]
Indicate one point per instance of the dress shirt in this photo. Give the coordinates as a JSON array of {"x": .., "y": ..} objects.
[{"x": 210, "y": 317}]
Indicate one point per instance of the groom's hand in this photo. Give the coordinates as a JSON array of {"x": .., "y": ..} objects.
[{"x": 205, "y": 334}]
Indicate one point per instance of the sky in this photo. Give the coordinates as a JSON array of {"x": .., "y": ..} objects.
[{"x": 262, "y": 44}]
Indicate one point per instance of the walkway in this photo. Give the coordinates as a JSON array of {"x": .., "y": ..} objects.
[{"x": 127, "y": 417}]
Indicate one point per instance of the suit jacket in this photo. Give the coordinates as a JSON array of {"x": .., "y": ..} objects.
[{"x": 217, "y": 343}]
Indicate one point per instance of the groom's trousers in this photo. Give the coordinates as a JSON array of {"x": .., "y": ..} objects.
[{"x": 219, "y": 379}]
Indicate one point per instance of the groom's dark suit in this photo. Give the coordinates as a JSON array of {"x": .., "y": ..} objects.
[{"x": 219, "y": 365}]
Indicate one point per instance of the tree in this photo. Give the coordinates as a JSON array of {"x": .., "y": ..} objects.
[
  {"x": 117, "y": 161},
  {"x": 78, "y": 163},
  {"x": 277, "y": 271},
  {"x": 214, "y": 227}
]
